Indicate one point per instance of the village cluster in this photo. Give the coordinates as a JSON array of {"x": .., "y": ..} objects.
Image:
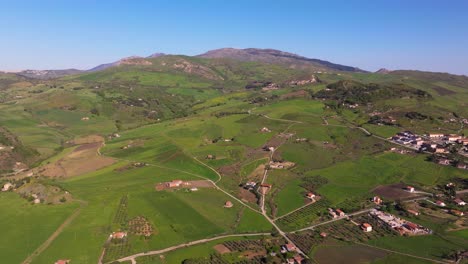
[
  {"x": 403, "y": 227},
  {"x": 438, "y": 144}
]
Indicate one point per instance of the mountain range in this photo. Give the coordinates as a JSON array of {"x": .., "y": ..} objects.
[{"x": 270, "y": 56}]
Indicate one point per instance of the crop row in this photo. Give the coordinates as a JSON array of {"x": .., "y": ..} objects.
[
  {"x": 116, "y": 250},
  {"x": 306, "y": 215},
  {"x": 121, "y": 215},
  {"x": 242, "y": 245}
]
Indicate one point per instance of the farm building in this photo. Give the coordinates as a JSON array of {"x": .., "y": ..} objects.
[
  {"x": 174, "y": 183},
  {"x": 339, "y": 212},
  {"x": 265, "y": 130},
  {"x": 457, "y": 212},
  {"x": 454, "y": 137},
  {"x": 413, "y": 212},
  {"x": 377, "y": 200},
  {"x": 440, "y": 203},
  {"x": 323, "y": 234},
  {"x": 85, "y": 118},
  {"x": 193, "y": 189},
  {"x": 411, "y": 226},
  {"x": 62, "y": 261},
  {"x": 409, "y": 188},
  {"x": 250, "y": 185},
  {"x": 228, "y": 204},
  {"x": 298, "y": 259},
  {"x": 445, "y": 162},
  {"x": 118, "y": 235},
  {"x": 366, "y": 227},
  {"x": 290, "y": 247},
  {"x": 459, "y": 202},
  {"x": 310, "y": 195},
  {"x": 7, "y": 187},
  {"x": 436, "y": 135}
]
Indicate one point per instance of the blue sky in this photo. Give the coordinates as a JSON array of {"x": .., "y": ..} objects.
[{"x": 425, "y": 35}]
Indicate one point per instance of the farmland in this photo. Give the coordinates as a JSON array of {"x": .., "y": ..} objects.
[{"x": 107, "y": 139}]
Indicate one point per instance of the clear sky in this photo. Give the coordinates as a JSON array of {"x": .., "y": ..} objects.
[{"x": 395, "y": 34}]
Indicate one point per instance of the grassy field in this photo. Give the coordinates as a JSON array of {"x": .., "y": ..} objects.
[{"x": 26, "y": 226}]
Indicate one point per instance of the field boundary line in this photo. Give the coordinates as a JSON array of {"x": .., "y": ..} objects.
[
  {"x": 404, "y": 254},
  {"x": 56, "y": 233}
]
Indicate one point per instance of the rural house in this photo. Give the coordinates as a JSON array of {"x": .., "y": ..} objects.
[
  {"x": 410, "y": 188},
  {"x": 440, "y": 203},
  {"x": 339, "y": 212},
  {"x": 7, "y": 187},
  {"x": 310, "y": 196},
  {"x": 174, "y": 183},
  {"x": 228, "y": 204},
  {"x": 118, "y": 235},
  {"x": 457, "y": 212},
  {"x": 366, "y": 227},
  {"x": 413, "y": 212},
  {"x": 62, "y": 261},
  {"x": 459, "y": 202},
  {"x": 290, "y": 247},
  {"x": 377, "y": 200}
]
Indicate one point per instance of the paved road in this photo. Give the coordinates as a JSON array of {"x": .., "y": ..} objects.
[
  {"x": 201, "y": 241},
  {"x": 333, "y": 220}
]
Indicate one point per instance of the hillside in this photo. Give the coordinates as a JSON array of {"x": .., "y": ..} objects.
[{"x": 277, "y": 57}]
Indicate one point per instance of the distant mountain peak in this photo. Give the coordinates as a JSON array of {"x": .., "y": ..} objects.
[
  {"x": 274, "y": 56},
  {"x": 383, "y": 71},
  {"x": 157, "y": 54}
]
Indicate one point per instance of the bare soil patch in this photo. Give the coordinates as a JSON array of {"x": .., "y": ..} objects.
[
  {"x": 221, "y": 249},
  {"x": 82, "y": 160},
  {"x": 247, "y": 195},
  {"x": 253, "y": 154},
  {"x": 88, "y": 140},
  {"x": 230, "y": 170},
  {"x": 393, "y": 191}
]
